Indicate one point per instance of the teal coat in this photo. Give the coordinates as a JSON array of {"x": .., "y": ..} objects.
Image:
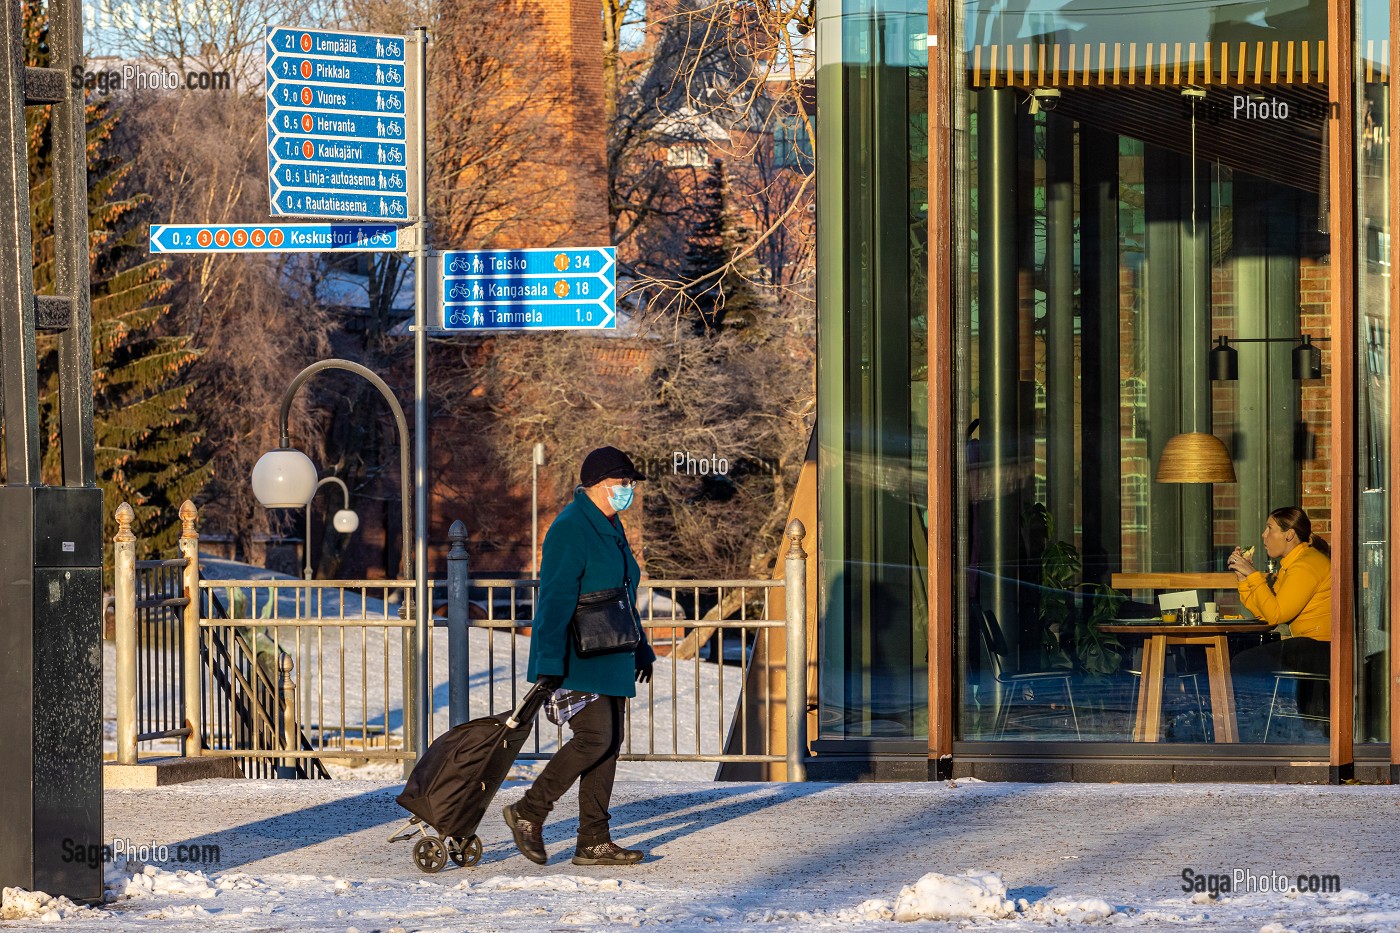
[{"x": 583, "y": 553}]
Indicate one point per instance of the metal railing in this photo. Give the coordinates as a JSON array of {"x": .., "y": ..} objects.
[{"x": 295, "y": 672}]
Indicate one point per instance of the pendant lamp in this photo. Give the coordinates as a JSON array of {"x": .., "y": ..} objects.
[{"x": 1195, "y": 457}]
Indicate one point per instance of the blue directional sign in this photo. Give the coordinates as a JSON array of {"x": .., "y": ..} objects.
[
  {"x": 273, "y": 238},
  {"x": 336, "y": 125},
  {"x": 529, "y": 289}
]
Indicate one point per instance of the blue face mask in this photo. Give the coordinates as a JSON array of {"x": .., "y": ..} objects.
[{"x": 620, "y": 498}]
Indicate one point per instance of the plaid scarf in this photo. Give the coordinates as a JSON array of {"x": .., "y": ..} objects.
[{"x": 563, "y": 705}]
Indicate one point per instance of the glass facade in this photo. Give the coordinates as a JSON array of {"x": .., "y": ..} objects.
[
  {"x": 1373, "y": 278},
  {"x": 873, "y": 379},
  {"x": 1142, "y": 245}
]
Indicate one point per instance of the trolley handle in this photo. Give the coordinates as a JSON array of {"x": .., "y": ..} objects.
[{"x": 514, "y": 721}]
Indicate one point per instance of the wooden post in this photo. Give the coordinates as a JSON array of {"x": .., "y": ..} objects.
[
  {"x": 942, "y": 438},
  {"x": 1394, "y": 365},
  {"x": 191, "y": 675},
  {"x": 125, "y": 546},
  {"x": 1342, "y": 181}
]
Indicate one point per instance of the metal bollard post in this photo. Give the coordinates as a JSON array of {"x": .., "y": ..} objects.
[
  {"x": 191, "y": 674},
  {"x": 125, "y": 543},
  {"x": 458, "y": 654},
  {"x": 795, "y": 584},
  {"x": 287, "y": 693}
]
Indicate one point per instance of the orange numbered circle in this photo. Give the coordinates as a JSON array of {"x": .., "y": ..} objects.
[
  {"x": 306, "y": 69},
  {"x": 306, "y": 96},
  {"x": 561, "y": 262},
  {"x": 307, "y": 149},
  {"x": 240, "y": 238},
  {"x": 259, "y": 238},
  {"x": 307, "y": 123},
  {"x": 205, "y": 238},
  {"x": 306, "y": 42},
  {"x": 561, "y": 288},
  {"x": 274, "y": 237},
  {"x": 221, "y": 238}
]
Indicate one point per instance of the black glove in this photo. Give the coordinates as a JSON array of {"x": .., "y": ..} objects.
[
  {"x": 550, "y": 682},
  {"x": 644, "y": 674}
]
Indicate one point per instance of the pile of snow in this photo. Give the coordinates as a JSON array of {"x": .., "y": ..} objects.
[
  {"x": 19, "y": 904},
  {"x": 1066, "y": 909},
  {"x": 954, "y": 897},
  {"x": 157, "y": 881}
]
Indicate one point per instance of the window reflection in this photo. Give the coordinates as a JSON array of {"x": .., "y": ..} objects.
[{"x": 1173, "y": 191}]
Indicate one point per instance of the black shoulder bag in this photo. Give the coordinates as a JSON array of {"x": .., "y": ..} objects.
[{"x": 604, "y": 622}]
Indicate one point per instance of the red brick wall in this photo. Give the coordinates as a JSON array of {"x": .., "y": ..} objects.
[
  {"x": 1315, "y": 287},
  {"x": 571, "y": 46}
]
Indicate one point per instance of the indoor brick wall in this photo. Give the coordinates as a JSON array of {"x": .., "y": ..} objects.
[{"x": 1315, "y": 284}]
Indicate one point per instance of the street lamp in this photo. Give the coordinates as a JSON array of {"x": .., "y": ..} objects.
[
  {"x": 345, "y": 521},
  {"x": 301, "y": 486},
  {"x": 285, "y": 478}
]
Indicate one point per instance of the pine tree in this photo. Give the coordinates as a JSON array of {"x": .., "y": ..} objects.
[
  {"x": 730, "y": 299},
  {"x": 145, "y": 438}
]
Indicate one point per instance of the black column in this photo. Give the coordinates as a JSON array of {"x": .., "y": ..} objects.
[
  {"x": 1103, "y": 462},
  {"x": 998, "y": 356}
]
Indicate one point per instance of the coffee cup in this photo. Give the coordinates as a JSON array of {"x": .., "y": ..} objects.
[{"x": 1211, "y": 613}]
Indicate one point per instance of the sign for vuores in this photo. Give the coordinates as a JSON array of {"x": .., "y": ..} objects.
[
  {"x": 336, "y": 124},
  {"x": 538, "y": 289}
]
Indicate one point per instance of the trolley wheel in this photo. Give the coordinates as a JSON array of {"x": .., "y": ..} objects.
[
  {"x": 466, "y": 853},
  {"x": 429, "y": 854}
]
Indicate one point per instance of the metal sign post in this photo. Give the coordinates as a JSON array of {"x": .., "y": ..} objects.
[
  {"x": 51, "y": 536},
  {"x": 422, "y": 691}
]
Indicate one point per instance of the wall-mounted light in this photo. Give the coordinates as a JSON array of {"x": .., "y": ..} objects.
[{"x": 1225, "y": 359}]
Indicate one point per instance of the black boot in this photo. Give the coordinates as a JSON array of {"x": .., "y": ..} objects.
[
  {"x": 529, "y": 838},
  {"x": 607, "y": 853}
]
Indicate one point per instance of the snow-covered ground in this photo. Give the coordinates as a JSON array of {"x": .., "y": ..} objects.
[
  {"x": 368, "y": 699},
  {"x": 939, "y": 856}
]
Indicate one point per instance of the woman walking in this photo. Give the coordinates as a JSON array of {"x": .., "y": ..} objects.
[{"x": 585, "y": 552}]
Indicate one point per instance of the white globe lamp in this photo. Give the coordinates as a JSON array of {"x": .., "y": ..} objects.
[
  {"x": 284, "y": 479},
  {"x": 345, "y": 521}
]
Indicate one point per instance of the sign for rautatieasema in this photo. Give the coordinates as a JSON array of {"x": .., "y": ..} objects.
[{"x": 536, "y": 289}]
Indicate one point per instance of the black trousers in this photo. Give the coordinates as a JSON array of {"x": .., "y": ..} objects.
[
  {"x": 1254, "y": 671},
  {"x": 589, "y": 757}
]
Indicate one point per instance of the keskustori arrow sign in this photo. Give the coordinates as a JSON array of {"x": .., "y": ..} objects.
[
  {"x": 336, "y": 124},
  {"x": 273, "y": 238},
  {"x": 529, "y": 289}
]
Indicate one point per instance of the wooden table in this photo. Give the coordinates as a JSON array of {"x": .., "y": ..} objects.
[
  {"x": 1147, "y": 726},
  {"x": 1174, "y": 581}
]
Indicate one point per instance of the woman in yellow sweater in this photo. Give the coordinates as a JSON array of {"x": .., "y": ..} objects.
[{"x": 1299, "y": 597}]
